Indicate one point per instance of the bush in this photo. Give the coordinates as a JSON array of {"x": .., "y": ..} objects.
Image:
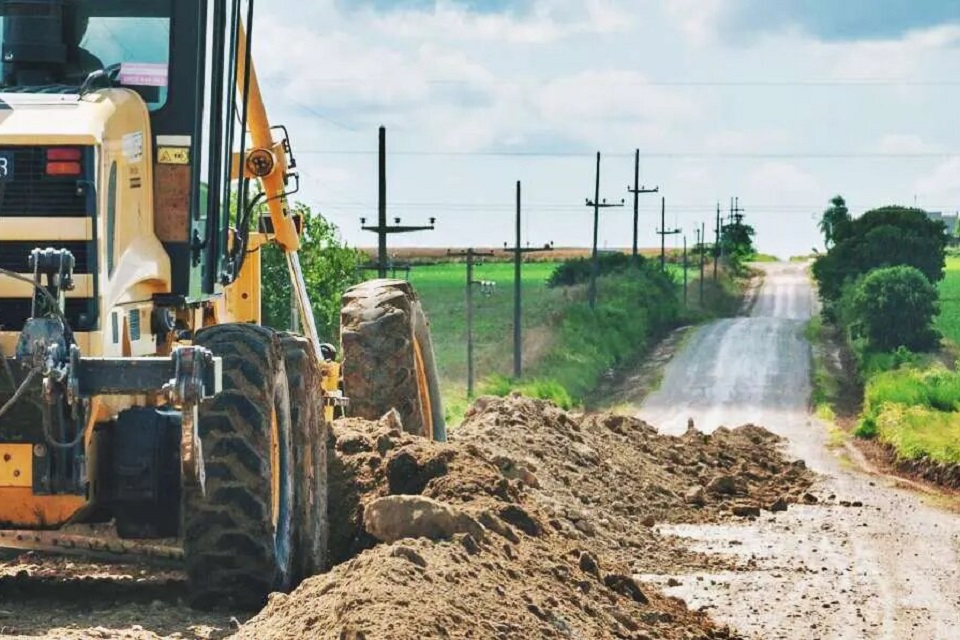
[
  {"x": 884, "y": 237},
  {"x": 541, "y": 389},
  {"x": 894, "y": 307},
  {"x": 577, "y": 270}
]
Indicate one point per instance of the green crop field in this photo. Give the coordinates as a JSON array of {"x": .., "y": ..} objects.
[
  {"x": 949, "y": 321},
  {"x": 442, "y": 289}
]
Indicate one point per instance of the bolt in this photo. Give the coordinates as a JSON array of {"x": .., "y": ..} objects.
[{"x": 6, "y": 457}]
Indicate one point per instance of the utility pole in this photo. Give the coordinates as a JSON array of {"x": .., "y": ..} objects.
[
  {"x": 736, "y": 214},
  {"x": 597, "y": 205},
  {"x": 383, "y": 229},
  {"x": 469, "y": 254},
  {"x": 703, "y": 235},
  {"x": 636, "y": 191},
  {"x": 717, "y": 249},
  {"x": 518, "y": 252},
  {"x": 685, "y": 271},
  {"x": 663, "y": 233}
]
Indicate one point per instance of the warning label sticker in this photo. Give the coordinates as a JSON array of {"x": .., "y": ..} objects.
[{"x": 173, "y": 155}]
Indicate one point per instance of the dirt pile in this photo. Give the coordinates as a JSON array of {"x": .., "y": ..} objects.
[{"x": 529, "y": 524}]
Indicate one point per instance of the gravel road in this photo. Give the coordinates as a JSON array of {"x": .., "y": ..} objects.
[{"x": 887, "y": 568}]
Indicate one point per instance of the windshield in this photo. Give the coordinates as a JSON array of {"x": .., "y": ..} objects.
[{"x": 129, "y": 40}]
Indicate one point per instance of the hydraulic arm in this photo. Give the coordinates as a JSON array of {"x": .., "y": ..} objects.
[{"x": 267, "y": 161}]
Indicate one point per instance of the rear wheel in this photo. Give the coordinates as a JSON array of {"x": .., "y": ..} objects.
[
  {"x": 388, "y": 360},
  {"x": 310, "y": 456},
  {"x": 239, "y": 538}
]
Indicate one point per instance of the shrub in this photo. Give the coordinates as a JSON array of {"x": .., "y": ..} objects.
[
  {"x": 577, "y": 270},
  {"x": 884, "y": 237},
  {"x": 893, "y": 307},
  {"x": 541, "y": 389}
]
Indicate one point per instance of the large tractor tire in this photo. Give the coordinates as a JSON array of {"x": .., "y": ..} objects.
[
  {"x": 310, "y": 456},
  {"x": 388, "y": 360},
  {"x": 239, "y": 538}
]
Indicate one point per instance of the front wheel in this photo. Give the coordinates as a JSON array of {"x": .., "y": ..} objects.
[{"x": 238, "y": 539}]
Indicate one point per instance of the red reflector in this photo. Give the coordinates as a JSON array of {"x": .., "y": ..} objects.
[
  {"x": 63, "y": 168},
  {"x": 63, "y": 153}
]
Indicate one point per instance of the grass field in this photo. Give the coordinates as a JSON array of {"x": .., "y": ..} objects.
[
  {"x": 949, "y": 320},
  {"x": 442, "y": 289},
  {"x": 912, "y": 402}
]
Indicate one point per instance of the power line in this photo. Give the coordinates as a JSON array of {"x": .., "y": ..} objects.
[
  {"x": 620, "y": 81},
  {"x": 694, "y": 155}
]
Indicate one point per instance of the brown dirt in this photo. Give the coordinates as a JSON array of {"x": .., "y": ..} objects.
[
  {"x": 567, "y": 504},
  {"x": 44, "y": 596}
]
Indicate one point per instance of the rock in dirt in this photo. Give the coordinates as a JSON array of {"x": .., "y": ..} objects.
[
  {"x": 746, "y": 510},
  {"x": 726, "y": 485},
  {"x": 780, "y": 504},
  {"x": 393, "y": 518},
  {"x": 695, "y": 497}
]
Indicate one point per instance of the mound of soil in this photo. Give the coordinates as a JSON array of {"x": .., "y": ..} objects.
[{"x": 529, "y": 524}]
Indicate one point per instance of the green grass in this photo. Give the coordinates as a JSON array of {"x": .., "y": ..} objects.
[
  {"x": 916, "y": 410},
  {"x": 567, "y": 347},
  {"x": 442, "y": 289},
  {"x": 825, "y": 387},
  {"x": 948, "y": 322},
  {"x": 920, "y": 432}
]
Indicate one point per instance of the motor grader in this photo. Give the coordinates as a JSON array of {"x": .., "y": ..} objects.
[{"x": 139, "y": 180}]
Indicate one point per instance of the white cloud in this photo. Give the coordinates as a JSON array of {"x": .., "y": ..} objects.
[
  {"x": 901, "y": 143},
  {"x": 942, "y": 186},
  {"x": 890, "y": 59},
  {"x": 697, "y": 19},
  {"x": 547, "y": 21},
  {"x": 611, "y": 95},
  {"x": 778, "y": 181},
  {"x": 760, "y": 141}
]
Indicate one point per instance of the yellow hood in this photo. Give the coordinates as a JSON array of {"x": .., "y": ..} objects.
[{"x": 53, "y": 119}]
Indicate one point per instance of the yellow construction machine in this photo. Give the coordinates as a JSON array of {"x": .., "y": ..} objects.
[{"x": 139, "y": 179}]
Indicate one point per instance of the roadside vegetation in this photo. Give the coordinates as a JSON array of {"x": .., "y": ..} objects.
[
  {"x": 885, "y": 285},
  {"x": 567, "y": 347}
]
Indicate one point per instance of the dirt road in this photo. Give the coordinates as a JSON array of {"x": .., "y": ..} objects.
[{"x": 886, "y": 569}]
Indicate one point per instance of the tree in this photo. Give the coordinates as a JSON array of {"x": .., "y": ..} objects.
[
  {"x": 736, "y": 241},
  {"x": 894, "y": 307},
  {"x": 329, "y": 268},
  {"x": 835, "y": 222},
  {"x": 884, "y": 237}
]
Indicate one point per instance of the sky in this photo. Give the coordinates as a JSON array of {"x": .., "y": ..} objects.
[{"x": 781, "y": 104}]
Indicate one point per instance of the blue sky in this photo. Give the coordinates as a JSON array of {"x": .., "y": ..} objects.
[{"x": 783, "y": 104}]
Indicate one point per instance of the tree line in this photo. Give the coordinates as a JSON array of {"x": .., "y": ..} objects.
[{"x": 878, "y": 277}]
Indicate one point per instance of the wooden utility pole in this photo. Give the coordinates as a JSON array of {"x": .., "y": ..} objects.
[
  {"x": 597, "y": 204},
  {"x": 663, "y": 233},
  {"x": 685, "y": 271},
  {"x": 717, "y": 248},
  {"x": 703, "y": 235},
  {"x": 636, "y": 191},
  {"x": 382, "y": 229},
  {"x": 469, "y": 254},
  {"x": 518, "y": 252}
]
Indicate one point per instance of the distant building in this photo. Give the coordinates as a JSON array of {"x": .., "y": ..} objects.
[{"x": 949, "y": 221}]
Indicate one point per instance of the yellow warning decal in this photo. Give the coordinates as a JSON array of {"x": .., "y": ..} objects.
[{"x": 173, "y": 155}]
